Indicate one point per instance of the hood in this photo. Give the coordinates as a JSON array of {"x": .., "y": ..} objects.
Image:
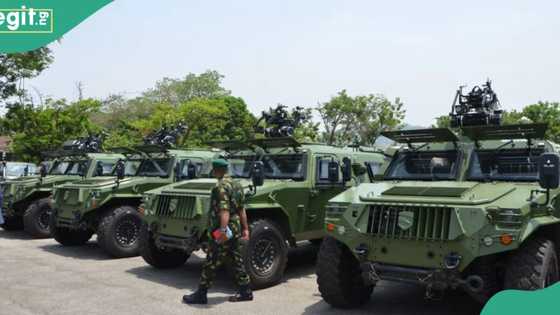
[
  {"x": 205, "y": 185},
  {"x": 102, "y": 182},
  {"x": 440, "y": 192}
]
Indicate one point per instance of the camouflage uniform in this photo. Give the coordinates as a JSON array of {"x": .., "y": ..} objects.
[{"x": 226, "y": 195}]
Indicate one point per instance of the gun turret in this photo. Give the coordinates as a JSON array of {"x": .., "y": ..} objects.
[
  {"x": 278, "y": 122},
  {"x": 479, "y": 107},
  {"x": 91, "y": 144},
  {"x": 166, "y": 136}
]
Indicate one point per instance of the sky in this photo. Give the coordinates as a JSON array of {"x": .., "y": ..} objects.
[{"x": 302, "y": 52}]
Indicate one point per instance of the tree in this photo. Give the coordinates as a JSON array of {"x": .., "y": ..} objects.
[
  {"x": 38, "y": 129},
  {"x": 346, "y": 118},
  {"x": 192, "y": 86},
  {"x": 16, "y": 67},
  {"x": 224, "y": 118}
]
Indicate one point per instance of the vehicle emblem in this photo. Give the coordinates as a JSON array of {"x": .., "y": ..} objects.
[
  {"x": 173, "y": 205},
  {"x": 406, "y": 220}
]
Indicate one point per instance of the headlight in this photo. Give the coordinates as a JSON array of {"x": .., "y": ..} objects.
[
  {"x": 336, "y": 209},
  {"x": 507, "y": 217}
]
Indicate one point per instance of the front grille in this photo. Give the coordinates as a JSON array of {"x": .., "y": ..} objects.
[
  {"x": 427, "y": 223},
  {"x": 177, "y": 207}
]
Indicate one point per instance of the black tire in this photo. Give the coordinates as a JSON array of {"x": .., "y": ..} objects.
[
  {"x": 491, "y": 271},
  {"x": 158, "y": 258},
  {"x": 118, "y": 233},
  {"x": 339, "y": 276},
  {"x": 36, "y": 219},
  {"x": 534, "y": 266},
  {"x": 12, "y": 223},
  {"x": 69, "y": 237},
  {"x": 265, "y": 271}
]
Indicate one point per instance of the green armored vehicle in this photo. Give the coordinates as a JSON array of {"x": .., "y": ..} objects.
[
  {"x": 472, "y": 209},
  {"x": 27, "y": 199},
  {"x": 298, "y": 180},
  {"x": 108, "y": 205}
]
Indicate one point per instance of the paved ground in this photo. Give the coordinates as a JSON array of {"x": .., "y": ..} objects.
[{"x": 41, "y": 277}]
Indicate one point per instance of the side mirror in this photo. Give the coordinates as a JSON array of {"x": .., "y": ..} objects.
[
  {"x": 346, "y": 169},
  {"x": 26, "y": 171},
  {"x": 120, "y": 169},
  {"x": 81, "y": 170},
  {"x": 257, "y": 174},
  {"x": 191, "y": 170},
  {"x": 43, "y": 170},
  {"x": 178, "y": 171},
  {"x": 99, "y": 169},
  {"x": 549, "y": 170},
  {"x": 333, "y": 171}
]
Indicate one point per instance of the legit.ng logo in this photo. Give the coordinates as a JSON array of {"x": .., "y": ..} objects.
[{"x": 26, "y": 21}]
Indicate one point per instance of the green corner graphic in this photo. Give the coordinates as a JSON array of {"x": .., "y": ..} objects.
[
  {"x": 29, "y": 24},
  {"x": 513, "y": 302}
]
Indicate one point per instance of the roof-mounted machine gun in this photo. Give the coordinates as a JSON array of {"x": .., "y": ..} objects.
[
  {"x": 480, "y": 107},
  {"x": 90, "y": 144},
  {"x": 166, "y": 136},
  {"x": 278, "y": 122}
]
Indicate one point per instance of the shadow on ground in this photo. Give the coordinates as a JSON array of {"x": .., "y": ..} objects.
[
  {"x": 301, "y": 263},
  {"x": 14, "y": 235},
  {"x": 393, "y": 298},
  {"x": 88, "y": 251}
]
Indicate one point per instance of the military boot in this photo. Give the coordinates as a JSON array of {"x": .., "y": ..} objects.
[
  {"x": 198, "y": 297},
  {"x": 245, "y": 294}
]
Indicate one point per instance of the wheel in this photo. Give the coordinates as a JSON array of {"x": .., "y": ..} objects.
[
  {"x": 14, "y": 223},
  {"x": 339, "y": 276},
  {"x": 37, "y": 217},
  {"x": 119, "y": 232},
  {"x": 266, "y": 254},
  {"x": 534, "y": 266},
  {"x": 491, "y": 271},
  {"x": 69, "y": 237},
  {"x": 159, "y": 258}
]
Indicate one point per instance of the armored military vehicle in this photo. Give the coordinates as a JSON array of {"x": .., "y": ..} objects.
[
  {"x": 108, "y": 205},
  {"x": 285, "y": 203},
  {"x": 473, "y": 208},
  {"x": 27, "y": 199}
]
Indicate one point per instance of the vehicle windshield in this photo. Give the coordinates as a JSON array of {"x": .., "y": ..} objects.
[
  {"x": 77, "y": 168},
  {"x": 426, "y": 165},
  {"x": 18, "y": 169},
  {"x": 130, "y": 168},
  {"x": 504, "y": 165},
  {"x": 59, "y": 168},
  {"x": 154, "y": 167},
  {"x": 281, "y": 166}
]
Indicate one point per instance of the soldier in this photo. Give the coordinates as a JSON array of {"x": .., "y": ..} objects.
[{"x": 227, "y": 225}]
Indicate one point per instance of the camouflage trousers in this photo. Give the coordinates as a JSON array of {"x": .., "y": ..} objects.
[{"x": 217, "y": 255}]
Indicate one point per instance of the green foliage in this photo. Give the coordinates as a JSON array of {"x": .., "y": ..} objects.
[
  {"x": 38, "y": 129},
  {"x": 15, "y": 67},
  {"x": 224, "y": 118},
  {"x": 348, "y": 118},
  {"x": 193, "y": 86}
]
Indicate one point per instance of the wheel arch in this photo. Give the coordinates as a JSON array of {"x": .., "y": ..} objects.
[{"x": 277, "y": 215}]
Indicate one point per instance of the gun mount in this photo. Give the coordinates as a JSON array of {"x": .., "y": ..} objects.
[
  {"x": 479, "y": 107},
  {"x": 89, "y": 144},
  {"x": 278, "y": 122},
  {"x": 166, "y": 136}
]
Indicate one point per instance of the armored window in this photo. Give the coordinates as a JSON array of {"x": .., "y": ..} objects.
[
  {"x": 154, "y": 168},
  {"x": 276, "y": 166},
  {"x": 59, "y": 168},
  {"x": 424, "y": 165},
  {"x": 104, "y": 168},
  {"x": 507, "y": 165}
]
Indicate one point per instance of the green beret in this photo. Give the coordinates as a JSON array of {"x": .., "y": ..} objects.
[{"x": 220, "y": 163}]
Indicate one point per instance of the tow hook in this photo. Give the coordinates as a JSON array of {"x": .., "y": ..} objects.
[
  {"x": 369, "y": 274},
  {"x": 473, "y": 283}
]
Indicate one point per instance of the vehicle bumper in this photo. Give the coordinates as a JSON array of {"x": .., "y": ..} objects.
[
  {"x": 71, "y": 219},
  {"x": 432, "y": 279}
]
